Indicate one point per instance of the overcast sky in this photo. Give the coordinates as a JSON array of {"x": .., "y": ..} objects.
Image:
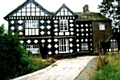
[{"x": 6, "y": 6}]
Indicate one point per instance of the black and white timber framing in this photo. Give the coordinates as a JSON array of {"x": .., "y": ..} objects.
[{"x": 50, "y": 33}]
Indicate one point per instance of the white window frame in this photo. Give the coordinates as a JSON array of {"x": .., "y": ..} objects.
[
  {"x": 63, "y": 46},
  {"x": 84, "y": 46},
  {"x": 101, "y": 26},
  {"x": 31, "y": 23},
  {"x": 33, "y": 48},
  {"x": 63, "y": 23},
  {"x": 113, "y": 45},
  {"x": 31, "y": 27}
]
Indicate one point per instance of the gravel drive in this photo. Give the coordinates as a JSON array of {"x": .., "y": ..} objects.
[{"x": 65, "y": 69}]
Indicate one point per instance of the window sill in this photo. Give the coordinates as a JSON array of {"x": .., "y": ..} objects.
[
  {"x": 64, "y": 52},
  {"x": 63, "y": 30}
]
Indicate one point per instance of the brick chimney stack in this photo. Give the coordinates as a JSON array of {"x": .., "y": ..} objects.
[{"x": 86, "y": 8}]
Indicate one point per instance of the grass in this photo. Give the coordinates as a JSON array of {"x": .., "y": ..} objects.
[
  {"x": 39, "y": 63},
  {"x": 107, "y": 67}
]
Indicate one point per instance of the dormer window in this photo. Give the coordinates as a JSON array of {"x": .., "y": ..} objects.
[
  {"x": 64, "y": 25},
  {"x": 101, "y": 26}
]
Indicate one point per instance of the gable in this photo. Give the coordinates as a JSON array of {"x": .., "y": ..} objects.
[
  {"x": 64, "y": 11},
  {"x": 30, "y": 8}
]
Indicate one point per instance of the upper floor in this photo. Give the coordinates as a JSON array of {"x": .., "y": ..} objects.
[{"x": 32, "y": 19}]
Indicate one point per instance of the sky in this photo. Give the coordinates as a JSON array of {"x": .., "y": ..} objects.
[{"x": 6, "y": 6}]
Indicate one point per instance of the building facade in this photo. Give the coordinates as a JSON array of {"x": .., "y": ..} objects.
[{"x": 63, "y": 32}]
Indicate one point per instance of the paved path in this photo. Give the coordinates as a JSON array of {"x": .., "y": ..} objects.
[
  {"x": 86, "y": 74},
  {"x": 65, "y": 69}
]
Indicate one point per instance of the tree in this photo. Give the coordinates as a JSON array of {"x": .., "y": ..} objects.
[
  {"x": 14, "y": 60},
  {"x": 1, "y": 30},
  {"x": 110, "y": 9}
]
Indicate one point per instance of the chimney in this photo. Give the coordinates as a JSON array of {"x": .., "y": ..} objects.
[{"x": 86, "y": 8}]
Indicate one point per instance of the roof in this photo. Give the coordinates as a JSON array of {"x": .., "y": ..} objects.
[
  {"x": 106, "y": 38},
  {"x": 83, "y": 16}
]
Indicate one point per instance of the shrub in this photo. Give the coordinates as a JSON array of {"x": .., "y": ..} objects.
[
  {"x": 37, "y": 63},
  {"x": 14, "y": 60}
]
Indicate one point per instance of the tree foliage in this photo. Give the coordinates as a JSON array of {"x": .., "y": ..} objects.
[
  {"x": 1, "y": 30},
  {"x": 109, "y": 8},
  {"x": 14, "y": 60}
]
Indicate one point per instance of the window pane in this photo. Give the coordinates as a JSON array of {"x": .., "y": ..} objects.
[
  {"x": 37, "y": 32},
  {"x": 84, "y": 46},
  {"x": 29, "y": 31},
  {"x": 26, "y": 31},
  {"x": 32, "y": 27},
  {"x": 67, "y": 45},
  {"x": 63, "y": 25},
  {"x": 33, "y": 31},
  {"x": 31, "y": 24},
  {"x": 114, "y": 44},
  {"x": 33, "y": 48},
  {"x": 63, "y": 45},
  {"x": 102, "y": 26}
]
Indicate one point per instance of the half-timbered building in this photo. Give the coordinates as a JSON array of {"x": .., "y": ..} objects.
[{"x": 63, "y": 32}]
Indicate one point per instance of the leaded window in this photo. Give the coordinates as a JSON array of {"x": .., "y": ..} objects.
[
  {"x": 63, "y": 45},
  {"x": 33, "y": 48},
  {"x": 31, "y": 27},
  {"x": 114, "y": 44},
  {"x": 84, "y": 46},
  {"x": 64, "y": 25}
]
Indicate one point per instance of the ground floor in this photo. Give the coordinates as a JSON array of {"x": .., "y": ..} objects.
[
  {"x": 66, "y": 46},
  {"x": 57, "y": 46}
]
